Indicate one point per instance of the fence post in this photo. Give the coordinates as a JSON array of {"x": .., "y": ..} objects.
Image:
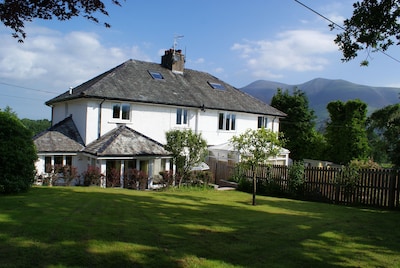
[
  {"x": 392, "y": 185},
  {"x": 337, "y": 187}
]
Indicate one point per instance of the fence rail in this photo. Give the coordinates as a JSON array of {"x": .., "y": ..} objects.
[{"x": 372, "y": 187}]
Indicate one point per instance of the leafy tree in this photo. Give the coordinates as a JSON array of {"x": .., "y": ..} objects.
[
  {"x": 302, "y": 139},
  {"x": 188, "y": 149},
  {"x": 10, "y": 111},
  {"x": 14, "y": 14},
  {"x": 255, "y": 148},
  {"x": 36, "y": 126},
  {"x": 373, "y": 26},
  {"x": 17, "y": 155},
  {"x": 346, "y": 132},
  {"x": 384, "y": 134}
]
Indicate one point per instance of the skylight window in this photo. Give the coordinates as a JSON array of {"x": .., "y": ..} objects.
[
  {"x": 216, "y": 86},
  {"x": 156, "y": 75}
]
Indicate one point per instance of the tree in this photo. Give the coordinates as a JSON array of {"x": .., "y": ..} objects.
[
  {"x": 17, "y": 155},
  {"x": 188, "y": 149},
  {"x": 36, "y": 126},
  {"x": 14, "y": 14},
  {"x": 384, "y": 134},
  {"x": 373, "y": 26},
  {"x": 302, "y": 139},
  {"x": 346, "y": 131},
  {"x": 255, "y": 148}
]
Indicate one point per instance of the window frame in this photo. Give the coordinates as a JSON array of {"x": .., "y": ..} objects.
[
  {"x": 217, "y": 86},
  {"x": 262, "y": 121},
  {"x": 182, "y": 117},
  {"x": 156, "y": 75},
  {"x": 226, "y": 121},
  {"x": 124, "y": 111}
]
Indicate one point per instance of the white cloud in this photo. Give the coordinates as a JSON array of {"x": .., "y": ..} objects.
[
  {"x": 296, "y": 50},
  {"x": 199, "y": 61},
  {"x": 219, "y": 70},
  {"x": 60, "y": 60}
]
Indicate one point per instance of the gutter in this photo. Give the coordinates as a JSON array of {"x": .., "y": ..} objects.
[{"x": 99, "y": 119}]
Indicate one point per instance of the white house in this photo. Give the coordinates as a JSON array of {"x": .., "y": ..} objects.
[{"x": 119, "y": 118}]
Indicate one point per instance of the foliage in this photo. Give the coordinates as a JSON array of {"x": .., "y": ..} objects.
[
  {"x": 364, "y": 164},
  {"x": 14, "y": 14},
  {"x": 384, "y": 134},
  {"x": 92, "y": 176},
  {"x": 346, "y": 134},
  {"x": 136, "y": 179},
  {"x": 113, "y": 177},
  {"x": 51, "y": 176},
  {"x": 299, "y": 126},
  {"x": 255, "y": 148},
  {"x": 199, "y": 178},
  {"x": 69, "y": 174},
  {"x": 36, "y": 126},
  {"x": 296, "y": 178},
  {"x": 17, "y": 155},
  {"x": 167, "y": 177},
  {"x": 188, "y": 149},
  {"x": 348, "y": 178},
  {"x": 374, "y": 26}
]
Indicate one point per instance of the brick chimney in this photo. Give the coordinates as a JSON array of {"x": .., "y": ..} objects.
[{"x": 173, "y": 60}]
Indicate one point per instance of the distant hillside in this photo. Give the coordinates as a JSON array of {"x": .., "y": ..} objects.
[{"x": 322, "y": 91}]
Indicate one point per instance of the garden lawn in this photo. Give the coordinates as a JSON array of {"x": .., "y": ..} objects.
[{"x": 94, "y": 227}]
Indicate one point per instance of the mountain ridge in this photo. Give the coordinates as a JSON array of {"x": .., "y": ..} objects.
[{"x": 321, "y": 91}]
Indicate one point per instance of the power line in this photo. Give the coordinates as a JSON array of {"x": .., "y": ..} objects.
[
  {"x": 341, "y": 27},
  {"x": 28, "y": 88},
  {"x": 18, "y": 97},
  {"x": 319, "y": 14}
]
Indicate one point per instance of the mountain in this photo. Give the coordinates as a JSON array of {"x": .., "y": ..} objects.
[{"x": 321, "y": 91}]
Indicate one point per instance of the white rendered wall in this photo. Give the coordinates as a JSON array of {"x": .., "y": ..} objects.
[{"x": 153, "y": 120}]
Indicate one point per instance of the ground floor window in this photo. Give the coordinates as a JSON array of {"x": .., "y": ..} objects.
[
  {"x": 262, "y": 122},
  {"x": 47, "y": 164},
  {"x": 56, "y": 162},
  {"x": 226, "y": 121}
]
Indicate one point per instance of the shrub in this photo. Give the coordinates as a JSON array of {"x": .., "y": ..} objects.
[
  {"x": 364, "y": 164},
  {"x": 197, "y": 178},
  {"x": 167, "y": 177},
  {"x": 271, "y": 187},
  {"x": 136, "y": 179},
  {"x": 113, "y": 177},
  {"x": 348, "y": 178},
  {"x": 17, "y": 155},
  {"x": 245, "y": 185},
  {"x": 69, "y": 173},
  {"x": 296, "y": 179},
  {"x": 92, "y": 176}
]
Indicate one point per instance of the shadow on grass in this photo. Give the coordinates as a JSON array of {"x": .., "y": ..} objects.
[{"x": 84, "y": 227}]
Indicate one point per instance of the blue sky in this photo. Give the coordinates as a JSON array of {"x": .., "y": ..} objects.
[{"x": 237, "y": 41}]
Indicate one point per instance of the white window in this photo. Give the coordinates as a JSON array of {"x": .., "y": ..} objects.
[
  {"x": 181, "y": 116},
  {"x": 121, "y": 111},
  {"x": 227, "y": 121},
  {"x": 262, "y": 122}
]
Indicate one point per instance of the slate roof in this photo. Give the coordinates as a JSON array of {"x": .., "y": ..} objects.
[
  {"x": 124, "y": 141},
  {"x": 62, "y": 137},
  {"x": 131, "y": 81}
]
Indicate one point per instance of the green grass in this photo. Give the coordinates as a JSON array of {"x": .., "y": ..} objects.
[{"x": 93, "y": 227}]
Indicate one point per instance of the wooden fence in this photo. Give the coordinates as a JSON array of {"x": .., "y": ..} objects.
[{"x": 372, "y": 187}]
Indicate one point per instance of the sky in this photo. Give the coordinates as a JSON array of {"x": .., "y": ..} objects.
[{"x": 235, "y": 40}]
